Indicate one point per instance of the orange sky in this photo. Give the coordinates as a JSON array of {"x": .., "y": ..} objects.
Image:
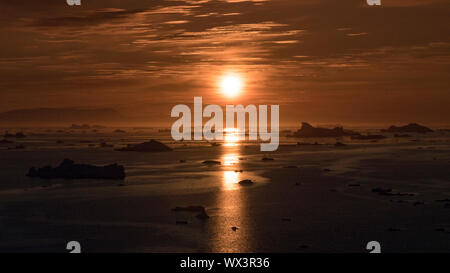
[{"x": 320, "y": 60}]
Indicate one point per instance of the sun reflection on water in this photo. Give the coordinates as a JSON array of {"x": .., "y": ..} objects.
[
  {"x": 230, "y": 180},
  {"x": 230, "y": 159},
  {"x": 231, "y": 137},
  {"x": 232, "y": 201}
]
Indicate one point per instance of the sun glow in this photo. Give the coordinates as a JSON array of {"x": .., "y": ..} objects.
[{"x": 231, "y": 85}]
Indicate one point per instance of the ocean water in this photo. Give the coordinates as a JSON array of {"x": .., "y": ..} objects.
[
  {"x": 293, "y": 202},
  {"x": 180, "y": 169}
]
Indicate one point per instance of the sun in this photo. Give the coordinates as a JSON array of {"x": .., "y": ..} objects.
[{"x": 231, "y": 85}]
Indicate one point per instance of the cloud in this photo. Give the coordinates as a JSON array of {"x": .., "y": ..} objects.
[{"x": 160, "y": 51}]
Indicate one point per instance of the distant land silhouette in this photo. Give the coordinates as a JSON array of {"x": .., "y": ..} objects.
[
  {"x": 39, "y": 116},
  {"x": 309, "y": 131},
  {"x": 410, "y": 128}
]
